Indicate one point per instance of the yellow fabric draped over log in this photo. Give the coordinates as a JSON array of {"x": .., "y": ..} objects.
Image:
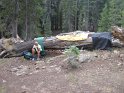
[{"x": 73, "y": 37}]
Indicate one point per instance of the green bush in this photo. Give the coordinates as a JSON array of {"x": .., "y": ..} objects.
[
  {"x": 72, "y": 54},
  {"x": 72, "y": 51}
]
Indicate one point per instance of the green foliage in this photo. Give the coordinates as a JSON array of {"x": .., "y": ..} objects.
[
  {"x": 72, "y": 51},
  {"x": 2, "y": 26},
  {"x": 104, "y": 22},
  {"x": 112, "y": 15},
  {"x": 8, "y": 16},
  {"x": 72, "y": 54},
  {"x": 47, "y": 27},
  {"x": 43, "y": 17}
]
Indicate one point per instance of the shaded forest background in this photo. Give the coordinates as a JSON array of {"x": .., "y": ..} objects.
[{"x": 33, "y": 18}]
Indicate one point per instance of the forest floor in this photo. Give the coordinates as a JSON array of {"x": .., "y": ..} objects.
[{"x": 102, "y": 72}]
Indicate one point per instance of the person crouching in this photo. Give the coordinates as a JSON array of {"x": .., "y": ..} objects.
[{"x": 36, "y": 49}]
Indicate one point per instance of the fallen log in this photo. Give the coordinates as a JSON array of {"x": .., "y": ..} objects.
[
  {"x": 10, "y": 48},
  {"x": 55, "y": 43},
  {"x": 49, "y": 43}
]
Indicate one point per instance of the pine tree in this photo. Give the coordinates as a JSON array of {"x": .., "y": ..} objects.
[
  {"x": 104, "y": 21},
  {"x": 112, "y": 15}
]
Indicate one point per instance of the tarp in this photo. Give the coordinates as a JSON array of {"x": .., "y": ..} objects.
[
  {"x": 73, "y": 36},
  {"x": 102, "y": 41}
]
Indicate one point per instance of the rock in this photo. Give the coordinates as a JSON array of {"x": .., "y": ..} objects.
[
  {"x": 87, "y": 57},
  {"x": 26, "y": 88},
  {"x": 53, "y": 66},
  {"x": 84, "y": 58},
  {"x": 43, "y": 67},
  {"x": 4, "y": 81},
  {"x": 116, "y": 51},
  {"x": 119, "y": 64},
  {"x": 14, "y": 69},
  {"x": 121, "y": 55},
  {"x": 30, "y": 73},
  {"x": 37, "y": 68}
]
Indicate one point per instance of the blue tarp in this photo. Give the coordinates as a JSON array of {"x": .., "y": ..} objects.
[{"x": 102, "y": 41}]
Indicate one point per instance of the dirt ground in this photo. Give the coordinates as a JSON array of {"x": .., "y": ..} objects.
[{"x": 102, "y": 72}]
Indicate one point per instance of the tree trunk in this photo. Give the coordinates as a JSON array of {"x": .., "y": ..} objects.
[
  {"x": 26, "y": 20},
  {"x": 15, "y": 21}
]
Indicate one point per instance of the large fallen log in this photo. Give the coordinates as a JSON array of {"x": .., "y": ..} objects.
[
  {"x": 49, "y": 43},
  {"x": 13, "y": 49},
  {"x": 10, "y": 48}
]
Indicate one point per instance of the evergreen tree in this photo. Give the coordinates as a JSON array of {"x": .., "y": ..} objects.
[
  {"x": 33, "y": 18},
  {"x": 104, "y": 21},
  {"x": 112, "y": 15}
]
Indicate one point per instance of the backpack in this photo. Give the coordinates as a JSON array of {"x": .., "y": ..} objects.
[{"x": 27, "y": 55}]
